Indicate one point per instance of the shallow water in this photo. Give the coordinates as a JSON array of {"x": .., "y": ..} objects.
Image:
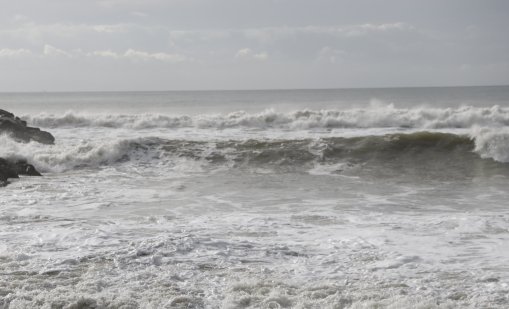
[{"x": 322, "y": 205}]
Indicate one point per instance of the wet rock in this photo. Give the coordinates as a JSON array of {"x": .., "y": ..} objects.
[
  {"x": 18, "y": 129},
  {"x": 6, "y": 172},
  {"x": 12, "y": 169},
  {"x": 23, "y": 168},
  {"x": 7, "y": 169}
]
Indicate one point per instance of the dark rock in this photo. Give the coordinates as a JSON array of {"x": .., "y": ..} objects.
[
  {"x": 23, "y": 168},
  {"x": 6, "y": 172},
  {"x": 12, "y": 169},
  {"x": 7, "y": 169},
  {"x": 6, "y": 114},
  {"x": 19, "y": 130}
]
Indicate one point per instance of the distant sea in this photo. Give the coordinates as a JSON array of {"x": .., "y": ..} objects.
[{"x": 341, "y": 198}]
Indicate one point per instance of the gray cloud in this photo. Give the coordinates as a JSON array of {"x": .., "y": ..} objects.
[{"x": 199, "y": 44}]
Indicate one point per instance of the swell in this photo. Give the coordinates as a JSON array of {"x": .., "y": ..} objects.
[
  {"x": 422, "y": 152},
  {"x": 372, "y": 117}
]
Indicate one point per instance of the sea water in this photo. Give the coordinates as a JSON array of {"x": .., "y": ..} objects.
[{"x": 354, "y": 198}]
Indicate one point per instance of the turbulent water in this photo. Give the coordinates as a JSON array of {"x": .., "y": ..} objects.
[{"x": 368, "y": 198}]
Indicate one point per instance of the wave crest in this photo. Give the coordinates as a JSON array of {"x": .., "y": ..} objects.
[
  {"x": 492, "y": 143},
  {"x": 372, "y": 117},
  {"x": 419, "y": 152}
]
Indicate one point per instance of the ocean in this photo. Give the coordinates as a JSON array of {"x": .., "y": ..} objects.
[{"x": 341, "y": 198}]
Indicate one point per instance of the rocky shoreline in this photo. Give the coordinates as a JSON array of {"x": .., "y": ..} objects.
[{"x": 19, "y": 131}]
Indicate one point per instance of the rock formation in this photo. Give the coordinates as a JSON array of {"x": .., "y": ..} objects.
[
  {"x": 19, "y": 131},
  {"x": 12, "y": 169}
]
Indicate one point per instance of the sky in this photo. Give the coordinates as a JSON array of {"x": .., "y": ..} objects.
[{"x": 141, "y": 45}]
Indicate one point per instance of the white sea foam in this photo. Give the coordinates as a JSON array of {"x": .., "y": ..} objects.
[
  {"x": 243, "y": 259},
  {"x": 136, "y": 214},
  {"x": 61, "y": 157},
  {"x": 337, "y": 169},
  {"x": 492, "y": 143},
  {"x": 488, "y": 143},
  {"x": 376, "y": 116}
]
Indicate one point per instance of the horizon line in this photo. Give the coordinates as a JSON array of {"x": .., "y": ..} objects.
[{"x": 246, "y": 90}]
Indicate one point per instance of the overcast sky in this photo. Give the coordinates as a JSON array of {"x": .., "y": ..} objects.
[{"x": 71, "y": 45}]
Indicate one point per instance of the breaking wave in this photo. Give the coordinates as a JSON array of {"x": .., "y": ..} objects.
[
  {"x": 491, "y": 143},
  {"x": 421, "y": 151},
  {"x": 372, "y": 117}
]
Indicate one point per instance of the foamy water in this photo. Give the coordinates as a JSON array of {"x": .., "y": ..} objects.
[{"x": 379, "y": 206}]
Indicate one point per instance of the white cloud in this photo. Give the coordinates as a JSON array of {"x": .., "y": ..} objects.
[
  {"x": 261, "y": 56},
  {"x": 35, "y": 33},
  {"x": 164, "y": 57},
  {"x": 104, "y": 53},
  {"x": 244, "y": 52},
  {"x": 138, "y": 55},
  {"x": 116, "y": 28},
  {"x": 365, "y": 29},
  {"x": 130, "y": 54},
  {"x": 31, "y": 29},
  {"x": 11, "y": 53},
  {"x": 249, "y": 53},
  {"x": 55, "y": 52},
  {"x": 275, "y": 33}
]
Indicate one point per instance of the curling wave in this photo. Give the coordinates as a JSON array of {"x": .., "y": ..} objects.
[
  {"x": 372, "y": 117},
  {"x": 421, "y": 152}
]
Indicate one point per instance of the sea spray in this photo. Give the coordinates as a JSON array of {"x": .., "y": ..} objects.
[
  {"x": 491, "y": 143},
  {"x": 403, "y": 150},
  {"x": 376, "y": 116}
]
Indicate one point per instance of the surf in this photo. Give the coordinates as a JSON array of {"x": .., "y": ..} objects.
[
  {"x": 423, "y": 151},
  {"x": 374, "y": 116}
]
